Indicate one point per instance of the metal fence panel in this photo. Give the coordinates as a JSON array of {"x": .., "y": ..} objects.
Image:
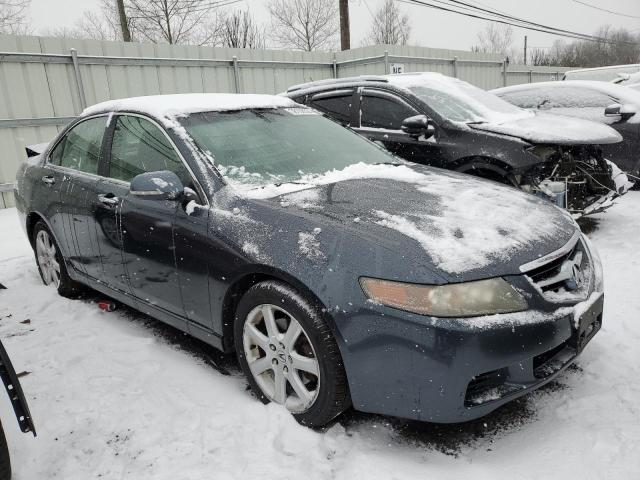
[{"x": 46, "y": 82}]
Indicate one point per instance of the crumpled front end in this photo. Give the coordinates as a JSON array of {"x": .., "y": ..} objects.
[{"x": 577, "y": 178}]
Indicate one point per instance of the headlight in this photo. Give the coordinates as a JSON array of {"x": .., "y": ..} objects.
[{"x": 483, "y": 297}]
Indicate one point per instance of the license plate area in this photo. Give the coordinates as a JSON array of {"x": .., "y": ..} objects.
[{"x": 590, "y": 323}]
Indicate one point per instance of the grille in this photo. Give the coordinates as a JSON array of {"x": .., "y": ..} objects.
[{"x": 566, "y": 278}]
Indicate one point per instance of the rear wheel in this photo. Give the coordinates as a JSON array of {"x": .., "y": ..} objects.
[
  {"x": 51, "y": 265},
  {"x": 289, "y": 354}
]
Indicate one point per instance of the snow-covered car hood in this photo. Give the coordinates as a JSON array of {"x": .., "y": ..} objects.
[
  {"x": 556, "y": 129},
  {"x": 459, "y": 226}
]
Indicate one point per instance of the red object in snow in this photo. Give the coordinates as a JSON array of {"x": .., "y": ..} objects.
[{"x": 106, "y": 305}]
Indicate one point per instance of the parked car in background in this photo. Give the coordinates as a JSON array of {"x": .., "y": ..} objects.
[
  {"x": 20, "y": 408},
  {"x": 607, "y": 103},
  {"x": 436, "y": 120},
  {"x": 631, "y": 80},
  {"x": 338, "y": 273},
  {"x": 602, "y": 74}
]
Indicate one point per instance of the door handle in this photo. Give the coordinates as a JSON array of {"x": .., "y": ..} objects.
[
  {"x": 48, "y": 179},
  {"x": 108, "y": 199}
]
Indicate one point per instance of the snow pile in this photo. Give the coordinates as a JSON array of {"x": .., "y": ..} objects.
[
  {"x": 309, "y": 245},
  {"x": 116, "y": 396},
  {"x": 305, "y": 199}
]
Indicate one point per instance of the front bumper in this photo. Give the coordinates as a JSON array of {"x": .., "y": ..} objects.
[
  {"x": 622, "y": 186},
  {"x": 454, "y": 370}
]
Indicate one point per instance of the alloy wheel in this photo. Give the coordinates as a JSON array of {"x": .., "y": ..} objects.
[
  {"x": 281, "y": 357},
  {"x": 46, "y": 255}
]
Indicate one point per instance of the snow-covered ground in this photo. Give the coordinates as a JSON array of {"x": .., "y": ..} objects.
[{"x": 119, "y": 395}]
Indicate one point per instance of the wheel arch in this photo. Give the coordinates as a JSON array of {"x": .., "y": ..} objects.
[
  {"x": 485, "y": 167},
  {"x": 31, "y": 219},
  {"x": 248, "y": 279}
]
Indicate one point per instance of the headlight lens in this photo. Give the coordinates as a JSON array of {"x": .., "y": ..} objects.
[{"x": 470, "y": 299}]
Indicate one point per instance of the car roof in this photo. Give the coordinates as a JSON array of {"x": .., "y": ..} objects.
[
  {"x": 397, "y": 81},
  {"x": 618, "y": 91},
  {"x": 164, "y": 106}
]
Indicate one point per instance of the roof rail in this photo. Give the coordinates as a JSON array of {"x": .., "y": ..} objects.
[{"x": 361, "y": 78}]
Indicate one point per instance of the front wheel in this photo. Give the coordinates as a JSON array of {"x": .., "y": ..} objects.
[
  {"x": 289, "y": 355},
  {"x": 51, "y": 265}
]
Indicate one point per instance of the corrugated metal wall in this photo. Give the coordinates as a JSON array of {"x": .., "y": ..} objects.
[{"x": 39, "y": 94}]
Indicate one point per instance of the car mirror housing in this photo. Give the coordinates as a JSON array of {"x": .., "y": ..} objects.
[
  {"x": 418, "y": 126},
  {"x": 623, "y": 111},
  {"x": 161, "y": 185}
]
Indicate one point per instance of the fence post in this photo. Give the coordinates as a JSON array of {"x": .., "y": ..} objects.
[
  {"x": 504, "y": 72},
  {"x": 236, "y": 74},
  {"x": 530, "y": 76},
  {"x": 335, "y": 67},
  {"x": 455, "y": 67},
  {"x": 78, "y": 77},
  {"x": 557, "y": 76},
  {"x": 386, "y": 62}
]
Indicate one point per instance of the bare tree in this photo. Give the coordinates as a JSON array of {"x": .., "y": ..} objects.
[
  {"x": 617, "y": 47},
  {"x": 239, "y": 30},
  {"x": 13, "y": 15},
  {"x": 171, "y": 21},
  {"x": 304, "y": 24},
  {"x": 495, "y": 38},
  {"x": 390, "y": 26}
]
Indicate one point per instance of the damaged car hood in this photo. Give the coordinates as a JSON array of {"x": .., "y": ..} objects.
[
  {"x": 553, "y": 129},
  {"x": 462, "y": 227}
]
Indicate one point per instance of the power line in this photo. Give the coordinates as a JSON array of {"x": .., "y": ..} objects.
[
  {"x": 605, "y": 10},
  {"x": 481, "y": 13},
  {"x": 527, "y": 22}
]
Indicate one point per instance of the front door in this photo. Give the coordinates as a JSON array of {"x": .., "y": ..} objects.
[
  {"x": 381, "y": 117},
  {"x": 146, "y": 226}
]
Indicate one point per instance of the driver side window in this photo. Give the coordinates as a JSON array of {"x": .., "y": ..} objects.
[
  {"x": 383, "y": 112},
  {"x": 138, "y": 147}
]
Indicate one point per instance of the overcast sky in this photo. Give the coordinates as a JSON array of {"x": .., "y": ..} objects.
[{"x": 430, "y": 28}]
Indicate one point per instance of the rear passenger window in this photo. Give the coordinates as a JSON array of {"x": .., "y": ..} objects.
[
  {"x": 139, "y": 147},
  {"x": 382, "y": 112},
  {"x": 337, "y": 107},
  {"x": 81, "y": 146}
]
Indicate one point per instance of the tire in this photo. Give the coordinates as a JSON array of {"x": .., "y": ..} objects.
[
  {"x": 274, "y": 356},
  {"x": 45, "y": 260},
  {"x": 5, "y": 460}
]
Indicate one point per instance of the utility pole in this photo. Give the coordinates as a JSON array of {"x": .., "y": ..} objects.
[
  {"x": 345, "y": 34},
  {"x": 525, "y": 49},
  {"x": 124, "y": 25}
]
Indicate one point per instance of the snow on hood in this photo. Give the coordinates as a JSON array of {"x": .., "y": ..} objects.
[
  {"x": 557, "y": 129},
  {"x": 163, "y": 106},
  {"x": 461, "y": 222}
]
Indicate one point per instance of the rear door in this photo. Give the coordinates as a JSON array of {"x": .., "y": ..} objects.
[
  {"x": 337, "y": 104},
  {"x": 77, "y": 157}
]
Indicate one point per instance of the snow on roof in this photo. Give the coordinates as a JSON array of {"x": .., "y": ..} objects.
[
  {"x": 616, "y": 91},
  {"x": 163, "y": 106}
]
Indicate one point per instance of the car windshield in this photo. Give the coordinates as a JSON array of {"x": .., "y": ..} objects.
[
  {"x": 459, "y": 101},
  {"x": 259, "y": 147}
]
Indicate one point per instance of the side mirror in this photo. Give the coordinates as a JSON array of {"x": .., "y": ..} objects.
[
  {"x": 625, "y": 111},
  {"x": 418, "y": 126},
  {"x": 162, "y": 185}
]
